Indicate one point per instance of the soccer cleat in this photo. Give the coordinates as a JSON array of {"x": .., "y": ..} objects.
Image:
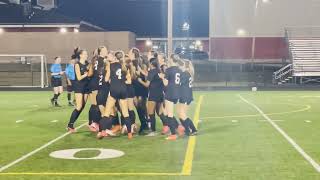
[
  {"x": 102, "y": 134},
  {"x": 194, "y": 133},
  {"x": 115, "y": 129},
  {"x": 172, "y": 138},
  {"x": 52, "y": 101},
  {"x": 152, "y": 134},
  {"x": 181, "y": 130},
  {"x": 56, "y": 104},
  {"x": 71, "y": 104},
  {"x": 110, "y": 133},
  {"x": 134, "y": 128},
  {"x": 71, "y": 130},
  {"x": 130, "y": 135},
  {"x": 92, "y": 128},
  {"x": 96, "y": 125},
  {"x": 165, "y": 130},
  {"x": 124, "y": 129}
]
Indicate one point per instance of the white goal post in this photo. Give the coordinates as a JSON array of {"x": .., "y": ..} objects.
[{"x": 23, "y": 70}]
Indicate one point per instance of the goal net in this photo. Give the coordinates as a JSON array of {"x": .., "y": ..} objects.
[{"x": 23, "y": 70}]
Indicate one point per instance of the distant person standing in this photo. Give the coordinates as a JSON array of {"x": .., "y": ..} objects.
[
  {"x": 71, "y": 77},
  {"x": 56, "y": 80}
]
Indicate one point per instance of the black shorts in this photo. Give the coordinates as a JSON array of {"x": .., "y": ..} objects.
[
  {"x": 102, "y": 95},
  {"x": 156, "y": 95},
  {"x": 131, "y": 91},
  {"x": 70, "y": 87},
  {"x": 81, "y": 87},
  {"x": 174, "y": 100},
  {"x": 56, "y": 82},
  {"x": 140, "y": 90},
  {"x": 185, "y": 100},
  {"x": 119, "y": 91},
  {"x": 172, "y": 97},
  {"x": 93, "y": 85}
]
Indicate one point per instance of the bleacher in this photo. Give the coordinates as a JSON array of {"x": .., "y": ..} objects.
[
  {"x": 304, "y": 50},
  {"x": 305, "y": 56}
]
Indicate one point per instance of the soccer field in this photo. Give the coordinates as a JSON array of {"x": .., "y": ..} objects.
[{"x": 242, "y": 135}]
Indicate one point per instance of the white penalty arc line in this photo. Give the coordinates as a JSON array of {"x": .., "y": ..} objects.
[
  {"x": 36, "y": 150},
  {"x": 285, "y": 135}
]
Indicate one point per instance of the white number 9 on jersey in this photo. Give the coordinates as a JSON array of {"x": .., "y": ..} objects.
[
  {"x": 177, "y": 78},
  {"x": 118, "y": 73}
]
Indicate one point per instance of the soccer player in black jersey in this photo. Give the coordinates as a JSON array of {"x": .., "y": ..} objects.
[
  {"x": 186, "y": 97},
  {"x": 171, "y": 80},
  {"x": 80, "y": 88},
  {"x": 119, "y": 77},
  {"x": 131, "y": 92},
  {"x": 141, "y": 92},
  {"x": 96, "y": 84},
  {"x": 155, "y": 99}
]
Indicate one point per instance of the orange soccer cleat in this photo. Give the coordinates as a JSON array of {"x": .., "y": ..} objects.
[
  {"x": 165, "y": 130},
  {"x": 172, "y": 138},
  {"x": 181, "y": 130}
]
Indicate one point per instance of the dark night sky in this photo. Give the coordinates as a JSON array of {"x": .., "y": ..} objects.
[{"x": 147, "y": 18}]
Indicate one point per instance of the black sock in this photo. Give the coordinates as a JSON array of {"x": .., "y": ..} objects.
[
  {"x": 91, "y": 114},
  {"x": 172, "y": 126},
  {"x": 176, "y": 123},
  {"x": 191, "y": 125},
  {"x": 58, "y": 95},
  {"x": 153, "y": 122},
  {"x": 55, "y": 97},
  {"x": 164, "y": 119},
  {"x": 132, "y": 116},
  {"x": 69, "y": 97},
  {"x": 142, "y": 118},
  {"x": 115, "y": 120},
  {"x": 185, "y": 125},
  {"x": 74, "y": 116},
  {"x": 122, "y": 120},
  {"x": 127, "y": 122},
  {"x": 97, "y": 114}
]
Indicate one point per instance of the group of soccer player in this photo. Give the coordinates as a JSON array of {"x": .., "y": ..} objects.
[{"x": 118, "y": 83}]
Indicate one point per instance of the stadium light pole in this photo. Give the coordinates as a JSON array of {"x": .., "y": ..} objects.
[{"x": 169, "y": 26}]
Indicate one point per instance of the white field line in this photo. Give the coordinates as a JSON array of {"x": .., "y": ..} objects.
[
  {"x": 36, "y": 150},
  {"x": 315, "y": 165},
  {"x": 19, "y": 121},
  {"x": 278, "y": 120}
]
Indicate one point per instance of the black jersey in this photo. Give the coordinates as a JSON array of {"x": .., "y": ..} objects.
[
  {"x": 186, "y": 88},
  {"x": 117, "y": 75},
  {"x": 83, "y": 70},
  {"x": 156, "y": 86},
  {"x": 155, "y": 81},
  {"x": 81, "y": 86},
  {"x": 99, "y": 74},
  {"x": 118, "y": 88},
  {"x": 99, "y": 67},
  {"x": 173, "y": 75},
  {"x": 139, "y": 89}
]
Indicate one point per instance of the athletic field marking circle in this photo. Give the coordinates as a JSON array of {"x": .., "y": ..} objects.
[
  {"x": 306, "y": 107},
  {"x": 69, "y": 154}
]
